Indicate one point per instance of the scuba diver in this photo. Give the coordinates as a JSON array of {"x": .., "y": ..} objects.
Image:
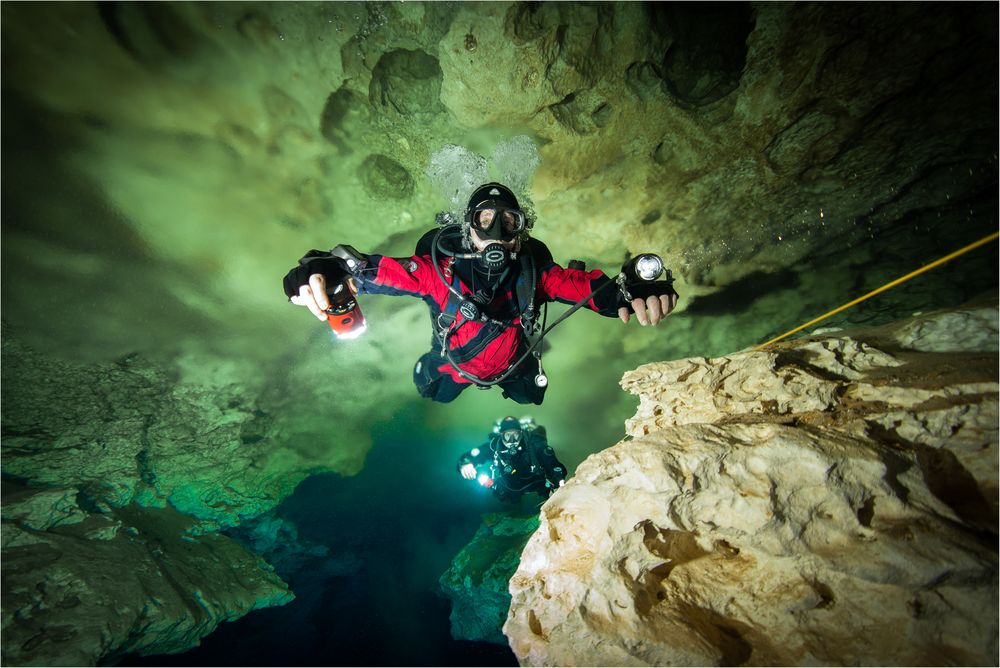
[
  {"x": 486, "y": 282},
  {"x": 516, "y": 459}
]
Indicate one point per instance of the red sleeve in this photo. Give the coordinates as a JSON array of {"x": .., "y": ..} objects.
[
  {"x": 571, "y": 285},
  {"x": 399, "y": 276}
]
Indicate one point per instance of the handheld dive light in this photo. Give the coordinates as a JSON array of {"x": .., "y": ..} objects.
[
  {"x": 643, "y": 268},
  {"x": 344, "y": 315}
]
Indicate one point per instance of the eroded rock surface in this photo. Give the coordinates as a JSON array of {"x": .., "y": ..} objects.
[
  {"x": 831, "y": 500},
  {"x": 174, "y": 160},
  {"x": 736, "y": 141},
  {"x": 82, "y": 587},
  {"x": 477, "y": 580}
]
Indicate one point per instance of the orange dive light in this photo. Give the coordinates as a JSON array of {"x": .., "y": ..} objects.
[{"x": 344, "y": 315}]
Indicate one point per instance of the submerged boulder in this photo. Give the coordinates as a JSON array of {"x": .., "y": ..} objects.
[
  {"x": 829, "y": 500},
  {"x": 81, "y": 588},
  {"x": 478, "y": 577}
]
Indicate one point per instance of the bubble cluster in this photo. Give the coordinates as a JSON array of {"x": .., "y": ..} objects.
[
  {"x": 515, "y": 161},
  {"x": 456, "y": 171}
]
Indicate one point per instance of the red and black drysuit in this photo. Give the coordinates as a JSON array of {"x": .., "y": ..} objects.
[{"x": 484, "y": 350}]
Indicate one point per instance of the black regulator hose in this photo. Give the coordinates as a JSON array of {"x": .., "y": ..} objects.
[{"x": 434, "y": 257}]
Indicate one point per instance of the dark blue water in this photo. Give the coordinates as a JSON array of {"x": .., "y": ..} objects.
[{"x": 391, "y": 532}]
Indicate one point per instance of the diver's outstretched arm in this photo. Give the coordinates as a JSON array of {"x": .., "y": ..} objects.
[
  {"x": 306, "y": 283},
  {"x": 571, "y": 285}
]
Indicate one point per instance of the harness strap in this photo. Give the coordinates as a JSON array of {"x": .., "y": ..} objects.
[
  {"x": 530, "y": 443},
  {"x": 524, "y": 290}
]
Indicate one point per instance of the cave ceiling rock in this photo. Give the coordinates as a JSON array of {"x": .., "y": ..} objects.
[
  {"x": 832, "y": 499},
  {"x": 477, "y": 47},
  {"x": 256, "y": 133},
  {"x": 837, "y": 149},
  {"x": 705, "y": 59},
  {"x": 299, "y": 127}
]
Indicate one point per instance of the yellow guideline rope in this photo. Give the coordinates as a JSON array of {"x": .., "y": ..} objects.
[{"x": 946, "y": 258}]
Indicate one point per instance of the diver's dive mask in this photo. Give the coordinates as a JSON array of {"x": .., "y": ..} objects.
[
  {"x": 511, "y": 438},
  {"x": 497, "y": 223},
  {"x": 497, "y": 219}
]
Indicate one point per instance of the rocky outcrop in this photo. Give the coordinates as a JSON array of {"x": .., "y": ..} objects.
[
  {"x": 829, "y": 500},
  {"x": 204, "y": 441},
  {"x": 81, "y": 587},
  {"x": 134, "y": 465},
  {"x": 478, "y": 577}
]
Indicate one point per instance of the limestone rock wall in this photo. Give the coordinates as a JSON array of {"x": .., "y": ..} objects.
[
  {"x": 81, "y": 587},
  {"x": 174, "y": 159},
  {"x": 830, "y": 500},
  {"x": 219, "y": 448},
  {"x": 477, "y": 580},
  {"x": 117, "y": 478}
]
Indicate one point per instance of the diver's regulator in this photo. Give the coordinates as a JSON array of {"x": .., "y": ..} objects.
[{"x": 493, "y": 257}]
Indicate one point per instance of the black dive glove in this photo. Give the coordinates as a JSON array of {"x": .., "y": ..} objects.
[
  {"x": 642, "y": 290},
  {"x": 332, "y": 268}
]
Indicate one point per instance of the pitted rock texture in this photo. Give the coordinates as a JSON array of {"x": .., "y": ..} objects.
[
  {"x": 831, "y": 501},
  {"x": 81, "y": 587},
  {"x": 736, "y": 141},
  {"x": 477, "y": 580},
  {"x": 175, "y": 159}
]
